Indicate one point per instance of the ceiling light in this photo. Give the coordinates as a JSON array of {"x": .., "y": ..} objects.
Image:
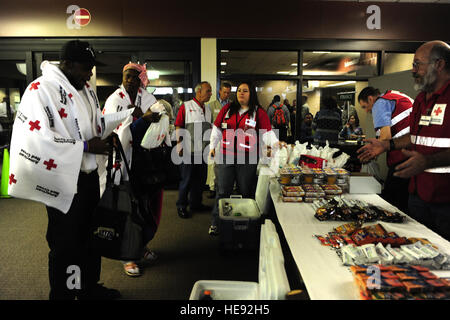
[
  {"x": 153, "y": 74},
  {"x": 293, "y": 64},
  {"x": 223, "y": 63},
  {"x": 305, "y": 64},
  {"x": 222, "y": 71},
  {"x": 340, "y": 83},
  {"x": 321, "y": 51},
  {"x": 283, "y": 72},
  {"x": 224, "y": 50},
  {"x": 22, "y": 68}
]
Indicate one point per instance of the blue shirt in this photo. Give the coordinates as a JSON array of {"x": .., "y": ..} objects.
[{"x": 382, "y": 113}]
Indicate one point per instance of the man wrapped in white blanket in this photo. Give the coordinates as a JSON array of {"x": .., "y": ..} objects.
[{"x": 56, "y": 134}]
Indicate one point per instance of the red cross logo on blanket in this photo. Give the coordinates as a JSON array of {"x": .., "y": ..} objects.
[
  {"x": 70, "y": 95},
  {"x": 121, "y": 94},
  {"x": 11, "y": 179},
  {"x": 34, "y": 86},
  {"x": 34, "y": 125},
  {"x": 62, "y": 113},
  {"x": 50, "y": 164},
  {"x": 437, "y": 111},
  {"x": 116, "y": 165}
]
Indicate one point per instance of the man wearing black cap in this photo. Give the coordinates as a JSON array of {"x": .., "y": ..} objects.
[{"x": 56, "y": 134}]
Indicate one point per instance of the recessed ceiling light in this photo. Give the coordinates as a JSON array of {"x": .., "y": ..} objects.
[
  {"x": 283, "y": 72},
  {"x": 293, "y": 64},
  {"x": 223, "y": 63}
]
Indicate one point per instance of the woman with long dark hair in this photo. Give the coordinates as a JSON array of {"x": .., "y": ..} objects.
[
  {"x": 238, "y": 128},
  {"x": 352, "y": 129}
]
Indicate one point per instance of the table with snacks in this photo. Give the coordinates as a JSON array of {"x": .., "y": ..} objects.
[{"x": 356, "y": 246}]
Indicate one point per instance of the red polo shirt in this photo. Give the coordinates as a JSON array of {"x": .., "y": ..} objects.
[{"x": 431, "y": 187}]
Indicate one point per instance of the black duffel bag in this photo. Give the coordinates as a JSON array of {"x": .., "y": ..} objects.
[{"x": 117, "y": 221}]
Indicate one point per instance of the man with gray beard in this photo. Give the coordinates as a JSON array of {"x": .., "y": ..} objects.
[{"x": 428, "y": 162}]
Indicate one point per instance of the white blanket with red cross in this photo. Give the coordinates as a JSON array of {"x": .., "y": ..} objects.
[
  {"x": 117, "y": 102},
  {"x": 47, "y": 139}
]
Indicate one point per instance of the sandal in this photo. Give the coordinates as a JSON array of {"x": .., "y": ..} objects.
[{"x": 131, "y": 269}]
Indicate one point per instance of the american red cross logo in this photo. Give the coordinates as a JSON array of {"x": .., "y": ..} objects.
[
  {"x": 118, "y": 126},
  {"x": 62, "y": 113},
  {"x": 34, "y": 125},
  {"x": 437, "y": 111},
  {"x": 116, "y": 165},
  {"x": 11, "y": 179},
  {"x": 70, "y": 95},
  {"x": 34, "y": 86},
  {"x": 50, "y": 164},
  {"x": 121, "y": 95}
]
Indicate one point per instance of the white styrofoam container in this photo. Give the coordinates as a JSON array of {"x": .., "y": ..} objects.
[
  {"x": 273, "y": 283},
  {"x": 364, "y": 184}
]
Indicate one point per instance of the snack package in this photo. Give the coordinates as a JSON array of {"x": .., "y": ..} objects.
[
  {"x": 385, "y": 256},
  {"x": 331, "y": 189},
  {"x": 347, "y": 228},
  {"x": 292, "y": 191},
  {"x": 370, "y": 252},
  {"x": 292, "y": 199}
]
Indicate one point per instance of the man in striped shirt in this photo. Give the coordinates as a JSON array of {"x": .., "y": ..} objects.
[{"x": 390, "y": 112}]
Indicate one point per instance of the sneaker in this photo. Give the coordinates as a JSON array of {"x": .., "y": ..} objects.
[
  {"x": 213, "y": 231},
  {"x": 99, "y": 292},
  {"x": 131, "y": 269},
  {"x": 149, "y": 256}
]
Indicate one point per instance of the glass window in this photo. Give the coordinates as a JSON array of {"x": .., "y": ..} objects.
[
  {"x": 168, "y": 80},
  {"x": 267, "y": 89},
  {"x": 258, "y": 62},
  {"x": 396, "y": 62},
  {"x": 340, "y": 63},
  {"x": 13, "y": 82}
]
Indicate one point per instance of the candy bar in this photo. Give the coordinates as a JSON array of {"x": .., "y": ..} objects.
[
  {"x": 370, "y": 252},
  {"x": 385, "y": 256}
]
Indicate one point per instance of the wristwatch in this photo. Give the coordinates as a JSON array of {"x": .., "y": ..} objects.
[{"x": 391, "y": 145}]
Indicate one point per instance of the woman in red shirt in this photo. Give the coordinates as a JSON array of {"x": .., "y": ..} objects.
[{"x": 238, "y": 128}]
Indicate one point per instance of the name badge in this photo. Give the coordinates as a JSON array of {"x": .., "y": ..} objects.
[
  {"x": 224, "y": 125},
  {"x": 250, "y": 123},
  {"x": 425, "y": 120},
  {"x": 437, "y": 115}
]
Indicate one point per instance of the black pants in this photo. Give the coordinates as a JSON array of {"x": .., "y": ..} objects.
[
  {"x": 395, "y": 190},
  {"x": 68, "y": 237},
  {"x": 435, "y": 216}
]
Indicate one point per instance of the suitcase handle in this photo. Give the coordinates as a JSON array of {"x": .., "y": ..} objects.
[{"x": 234, "y": 196}]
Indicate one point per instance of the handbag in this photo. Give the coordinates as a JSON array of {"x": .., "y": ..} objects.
[{"x": 117, "y": 226}]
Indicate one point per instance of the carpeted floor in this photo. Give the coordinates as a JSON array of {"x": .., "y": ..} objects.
[{"x": 186, "y": 254}]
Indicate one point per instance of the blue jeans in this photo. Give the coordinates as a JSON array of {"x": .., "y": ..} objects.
[
  {"x": 435, "y": 216},
  {"x": 245, "y": 177},
  {"x": 193, "y": 180}
]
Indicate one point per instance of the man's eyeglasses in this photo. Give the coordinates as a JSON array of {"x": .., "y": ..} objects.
[{"x": 416, "y": 64}]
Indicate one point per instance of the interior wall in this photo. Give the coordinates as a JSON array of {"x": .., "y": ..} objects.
[{"x": 208, "y": 63}]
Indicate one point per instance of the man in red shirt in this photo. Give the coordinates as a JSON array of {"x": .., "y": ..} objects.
[
  {"x": 429, "y": 140},
  {"x": 192, "y": 126}
]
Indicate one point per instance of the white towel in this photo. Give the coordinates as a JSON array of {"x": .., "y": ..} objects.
[
  {"x": 119, "y": 101},
  {"x": 47, "y": 140}
]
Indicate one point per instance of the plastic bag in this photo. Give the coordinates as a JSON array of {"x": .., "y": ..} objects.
[{"x": 156, "y": 133}]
